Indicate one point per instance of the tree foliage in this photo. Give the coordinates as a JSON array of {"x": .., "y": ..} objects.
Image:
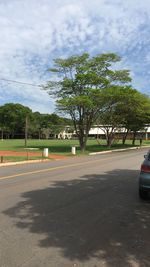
[
  {"x": 79, "y": 88},
  {"x": 12, "y": 118},
  {"x": 135, "y": 112},
  {"x": 123, "y": 107},
  {"x": 49, "y": 124}
]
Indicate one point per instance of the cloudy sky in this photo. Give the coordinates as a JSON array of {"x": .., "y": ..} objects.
[{"x": 34, "y": 32}]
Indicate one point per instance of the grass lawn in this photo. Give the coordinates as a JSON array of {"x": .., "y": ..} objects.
[{"x": 61, "y": 146}]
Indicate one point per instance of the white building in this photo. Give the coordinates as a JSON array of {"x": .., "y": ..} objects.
[{"x": 100, "y": 132}]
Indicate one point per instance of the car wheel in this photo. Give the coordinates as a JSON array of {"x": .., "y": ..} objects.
[{"x": 143, "y": 194}]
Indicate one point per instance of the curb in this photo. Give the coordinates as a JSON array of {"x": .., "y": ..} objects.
[
  {"x": 90, "y": 154},
  {"x": 23, "y": 162},
  {"x": 117, "y": 150}
]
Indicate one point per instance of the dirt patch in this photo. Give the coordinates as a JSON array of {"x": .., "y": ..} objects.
[{"x": 8, "y": 153}]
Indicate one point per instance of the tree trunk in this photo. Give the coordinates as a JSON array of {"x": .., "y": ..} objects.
[
  {"x": 133, "y": 140},
  {"x": 39, "y": 134},
  {"x": 83, "y": 141},
  {"x": 110, "y": 141},
  {"x": 125, "y": 137},
  {"x": 2, "y": 134},
  {"x": 26, "y": 131},
  {"x": 109, "y": 138}
]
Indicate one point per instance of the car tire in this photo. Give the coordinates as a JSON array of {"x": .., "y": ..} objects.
[{"x": 143, "y": 194}]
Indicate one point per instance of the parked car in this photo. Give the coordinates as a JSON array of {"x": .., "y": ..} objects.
[{"x": 144, "y": 177}]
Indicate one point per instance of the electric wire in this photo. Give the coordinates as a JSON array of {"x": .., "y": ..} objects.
[{"x": 20, "y": 82}]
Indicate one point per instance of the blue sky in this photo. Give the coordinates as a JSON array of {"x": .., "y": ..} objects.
[{"x": 34, "y": 32}]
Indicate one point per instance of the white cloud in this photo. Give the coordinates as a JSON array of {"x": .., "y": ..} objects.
[{"x": 34, "y": 32}]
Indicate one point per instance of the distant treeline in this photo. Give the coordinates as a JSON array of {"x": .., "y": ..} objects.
[{"x": 16, "y": 119}]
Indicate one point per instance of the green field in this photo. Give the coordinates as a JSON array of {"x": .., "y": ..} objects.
[{"x": 61, "y": 146}]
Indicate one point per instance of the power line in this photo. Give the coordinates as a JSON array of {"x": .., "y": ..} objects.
[{"x": 13, "y": 81}]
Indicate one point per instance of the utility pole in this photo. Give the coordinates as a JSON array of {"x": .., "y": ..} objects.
[
  {"x": 2, "y": 134},
  {"x": 26, "y": 131}
]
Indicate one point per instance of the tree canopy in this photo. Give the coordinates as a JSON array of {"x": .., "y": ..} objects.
[
  {"x": 123, "y": 107},
  {"x": 79, "y": 88},
  {"x": 13, "y": 122},
  {"x": 12, "y": 117}
]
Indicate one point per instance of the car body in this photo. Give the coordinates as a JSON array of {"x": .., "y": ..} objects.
[{"x": 144, "y": 177}]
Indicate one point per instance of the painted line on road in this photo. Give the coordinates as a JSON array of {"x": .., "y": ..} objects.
[
  {"x": 57, "y": 168},
  {"x": 54, "y": 168}
]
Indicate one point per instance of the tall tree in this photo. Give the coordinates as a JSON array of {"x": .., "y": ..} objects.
[
  {"x": 79, "y": 87},
  {"x": 112, "y": 118},
  {"x": 13, "y": 117},
  {"x": 136, "y": 112},
  {"x": 123, "y": 107}
]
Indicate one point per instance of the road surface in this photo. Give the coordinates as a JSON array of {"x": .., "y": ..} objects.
[{"x": 79, "y": 212}]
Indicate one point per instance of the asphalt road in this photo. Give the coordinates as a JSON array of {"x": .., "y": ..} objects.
[{"x": 79, "y": 212}]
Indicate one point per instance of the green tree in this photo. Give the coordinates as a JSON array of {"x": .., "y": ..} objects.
[
  {"x": 111, "y": 119},
  {"x": 41, "y": 125},
  {"x": 46, "y": 124},
  {"x": 13, "y": 116},
  {"x": 136, "y": 112},
  {"x": 79, "y": 86},
  {"x": 123, "y": 107}
]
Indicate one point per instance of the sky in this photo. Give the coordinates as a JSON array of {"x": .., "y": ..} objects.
[{"x": 34, "y": 32}]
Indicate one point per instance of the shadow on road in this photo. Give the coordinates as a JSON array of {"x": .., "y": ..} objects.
[{"x": 96, "y": 216}]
